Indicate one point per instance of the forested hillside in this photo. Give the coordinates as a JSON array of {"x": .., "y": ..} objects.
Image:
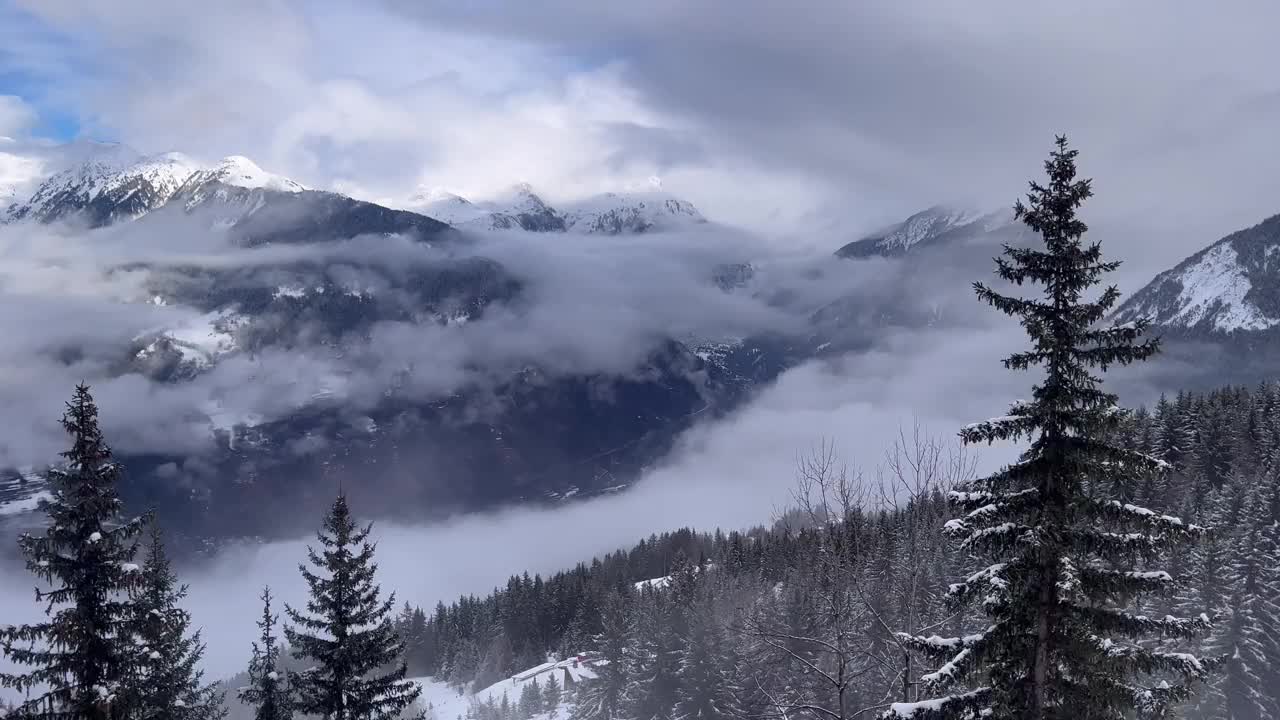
[{"x": 791, "y": 615}]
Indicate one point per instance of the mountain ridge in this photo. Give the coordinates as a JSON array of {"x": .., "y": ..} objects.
[{"x": 1231, "y": 286}]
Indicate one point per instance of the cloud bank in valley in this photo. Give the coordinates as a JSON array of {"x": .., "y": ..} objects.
[
  {"x": 75, "y": 301},
  {"x": 731, "y": 474}
]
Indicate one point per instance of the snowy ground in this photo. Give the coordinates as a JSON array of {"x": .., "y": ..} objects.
[{"x": 447, "y": 703}]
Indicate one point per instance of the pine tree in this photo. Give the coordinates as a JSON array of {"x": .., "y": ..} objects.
[
  {"x": 168, "y": 684},
  {"x": 266, "y": 691},
  {"x": 347, "y": 631},
  {"x": 530, "y": 703},
  {"x": 602, "y": 698},
  {"x": 1066, "y": 557},
  {"x": 84, "y": 655},
  {"x": 708, "y": 689},
  {"x": 551, "y": 694},
  {"x": 652, "y": 658}
]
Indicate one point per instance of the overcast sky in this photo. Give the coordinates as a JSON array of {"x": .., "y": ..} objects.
[{"x": 763, "y": 113}]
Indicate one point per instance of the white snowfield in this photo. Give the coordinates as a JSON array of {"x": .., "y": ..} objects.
[{"x": 444, "y": 702}]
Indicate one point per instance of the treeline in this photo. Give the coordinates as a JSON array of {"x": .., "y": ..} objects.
[
  {"x": 116, "y": 644},
  {"x": 1223, "y": 448},
  {"x": 479, "y": 641}
]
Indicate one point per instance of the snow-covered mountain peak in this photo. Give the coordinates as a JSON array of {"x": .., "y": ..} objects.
[
  {"x": 925, "y": 224},
  {"x": 167, "y": 172},
  {"x": 612, "y": 213},
  {"x": 108, "y": 181},
  {"x": 446, "y": 206},
  {"x": 934, "y": 225},
  {"x": 1227, "y": 287},
  {"x": 240, "y": 171},
  {"x": 521, "y": 198},
  {"x": 430, "y": 194}
]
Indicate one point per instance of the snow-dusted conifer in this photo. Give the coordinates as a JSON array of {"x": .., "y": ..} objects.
[
  {"x": 267, "y": 691},
  {"x": 652, "y": 658},
  {"x": 168, "y": 682},
  {"x": 1065, "y": 557},
  {"x": 530, "y": 703},
  {"x": 708, "y": 688},
  {"x": 347, "y": 631},
  {"x": 83, "y": 655},
  {"x": 603, "y": 697},
  {"x": 551, "y": 694}
]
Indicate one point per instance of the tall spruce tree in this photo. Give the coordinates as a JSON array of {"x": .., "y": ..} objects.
[
  {"x": 603, "y": 697},
  {"x": 709, "y": 688},
  {"x": 168, "y": 682},
  {"x": 652, "y": 657},
  {"x": 83, "y": 656},
  {"x": 267, "y": 691},
  {"x": 1066, "y": 557},
  {"x": 347, "y": 630}
]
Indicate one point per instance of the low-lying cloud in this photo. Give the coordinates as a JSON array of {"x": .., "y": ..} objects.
[
  {"x": 731, "y": 473},
  {"x": 75, "y": 300}
]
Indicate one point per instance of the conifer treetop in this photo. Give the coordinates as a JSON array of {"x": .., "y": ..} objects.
[{"x": 347, "y": 630}]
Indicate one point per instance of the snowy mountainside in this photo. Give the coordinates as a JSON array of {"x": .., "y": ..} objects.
[
  {"x": 521, "y": 208},
  {"x": 934, "y": 226},
  {"x": 445, "y": 702},
  {"x": 618, "y": 213},
  {"x": 240, "y": 171},
  {"x": 111, "y": 184},
  {"x": 1231, "y": 286}
]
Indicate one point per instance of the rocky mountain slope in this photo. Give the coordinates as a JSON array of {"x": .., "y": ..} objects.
[
  {"x": 934, "y": 227},
  {"x": 1232, "y": 286}
]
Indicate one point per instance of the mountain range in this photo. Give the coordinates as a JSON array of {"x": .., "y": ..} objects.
[
  {"x": 520, "y": 208},
  {"x": 520, "y": 433},
  {"x": 527, "y": 433}
]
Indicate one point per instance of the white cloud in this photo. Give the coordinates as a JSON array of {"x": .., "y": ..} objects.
[
  {"x": 16, "y": 116},
  {"x": 364, "y": 101}
]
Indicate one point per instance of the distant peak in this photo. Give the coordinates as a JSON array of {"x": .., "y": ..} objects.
[
  {"x": 175, "y": 157},
  {"x": 240, "y": 171},
  {"x": 434, "y": 194},
  {"x": 239, "y": 162}
]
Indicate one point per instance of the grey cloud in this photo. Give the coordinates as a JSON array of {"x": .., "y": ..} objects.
[{"x": 909, "y": 103}]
